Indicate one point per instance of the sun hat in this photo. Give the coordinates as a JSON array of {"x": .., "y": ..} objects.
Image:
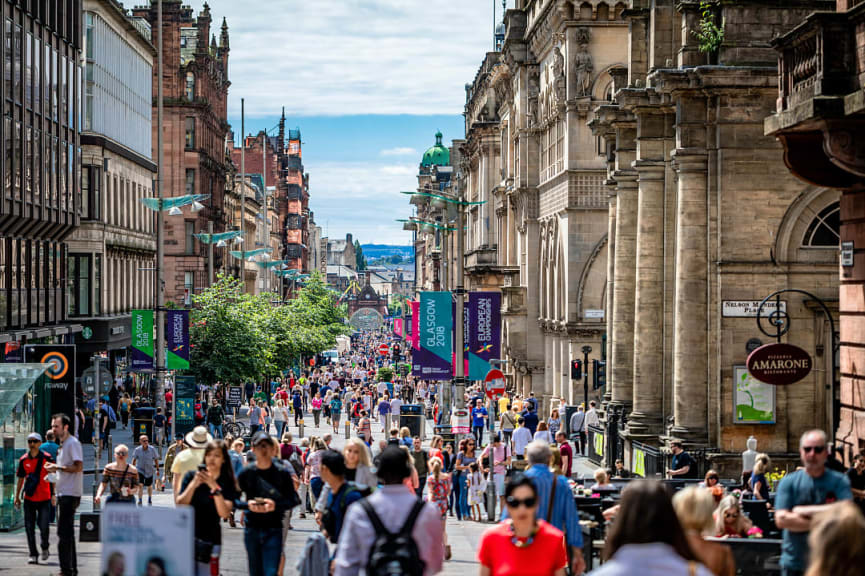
[{"x": 198, "y": 438}]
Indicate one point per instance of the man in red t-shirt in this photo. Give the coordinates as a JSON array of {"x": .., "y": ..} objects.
[
  {"x": 567, "y": 454},
  {"x": 37, "y": 495}
]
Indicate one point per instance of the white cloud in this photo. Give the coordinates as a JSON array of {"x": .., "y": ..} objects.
[
  {"x": 361, "y": 198},
  {"x": 334, "y": 57},
  {"x": 399, "y": 151}
]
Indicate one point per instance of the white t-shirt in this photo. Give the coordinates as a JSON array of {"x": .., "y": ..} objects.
[
  {"x": 70, "y": 483},
  {"x": 395, "y": 406},
  {"x": 522, "y": 437},
  {"x": 382, "y": 387}
]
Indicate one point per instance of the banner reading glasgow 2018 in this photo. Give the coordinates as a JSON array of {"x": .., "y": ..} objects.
[
  {"x": 142, "y": 340},
  {"x": 435, "y": 327},
  {"x": 485, "y": 332},
  {"x": 177, "y": 339}
]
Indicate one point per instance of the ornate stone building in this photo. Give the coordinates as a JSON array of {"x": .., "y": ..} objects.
[
  {"x": 819, "y": 121},
  {"x": 195, "y": 92},
  {"x": 532, "y": 156},
  {"x": 705, "y": 221}
]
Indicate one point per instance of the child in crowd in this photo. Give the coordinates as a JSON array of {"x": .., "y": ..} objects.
[{"x": 477, "y": 487}]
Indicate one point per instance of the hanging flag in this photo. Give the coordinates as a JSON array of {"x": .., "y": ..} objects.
[
  {"x": 177, "y": 339},
  {"x": 435, "y": 335},
  {"x": 142, "y": 341},
  {"x": 397, "y": 327},
  {"x": 484, "y": 336}
]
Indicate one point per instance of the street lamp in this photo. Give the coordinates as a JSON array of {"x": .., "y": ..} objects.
[{"x": 219, "y": 240}]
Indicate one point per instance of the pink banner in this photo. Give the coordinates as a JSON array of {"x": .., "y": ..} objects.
[
  {"x": 397, "y": 326},
  {"x": 415, "y": 324}
]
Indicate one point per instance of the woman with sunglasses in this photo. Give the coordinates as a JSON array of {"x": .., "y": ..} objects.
[
  {"x": 465, "y": 459},
  {"x": 119, "y": 477},
  {"x": 522, "y": 545},
  {"x": 730, "y": 521}
]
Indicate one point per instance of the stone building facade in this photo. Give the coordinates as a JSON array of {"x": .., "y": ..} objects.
[
  {"x": 296, "y": 231},
  {"x": 704, "y": 217},
  {"x": 195, "y": 93},
  {"x": 820, "y": 121},
  {"x": 111, "y": 255},
  {"x": 541, "y": 171}
]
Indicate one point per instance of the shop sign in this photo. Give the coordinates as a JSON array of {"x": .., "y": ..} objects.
[
  {"x": 748, "y": 308},
  {"x": 779, "y": 364}
]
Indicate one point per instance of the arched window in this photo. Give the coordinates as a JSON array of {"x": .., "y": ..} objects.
[
  {"x": 190, "y": 86},
  {"x": 825, "y": 229}
]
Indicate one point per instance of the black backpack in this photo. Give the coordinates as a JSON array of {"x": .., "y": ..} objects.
[{"x": 394, "y": 554}]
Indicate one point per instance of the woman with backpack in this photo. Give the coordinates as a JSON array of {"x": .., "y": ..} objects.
[{"x": 438, "y": 486}]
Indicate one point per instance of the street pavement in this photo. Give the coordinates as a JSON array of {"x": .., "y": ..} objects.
[{"x": 463, "y": 536}]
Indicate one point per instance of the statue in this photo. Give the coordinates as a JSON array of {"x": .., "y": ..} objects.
[
  {"x": 559, "y": 79},
  {"x": 532, "y": 99},
  {"x": 583, "y": 65}
]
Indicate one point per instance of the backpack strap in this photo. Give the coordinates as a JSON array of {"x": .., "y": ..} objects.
[
  {"x": 412, "y": 518},
  {"x": 373, "y": 517}
]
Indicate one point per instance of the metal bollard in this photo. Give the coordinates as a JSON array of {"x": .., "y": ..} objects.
[
  {"x": 300, "y": 428},
  {"x": 347, "y": 430}
]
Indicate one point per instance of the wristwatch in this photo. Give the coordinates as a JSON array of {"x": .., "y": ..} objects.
[{"x": 217, "y": 492}]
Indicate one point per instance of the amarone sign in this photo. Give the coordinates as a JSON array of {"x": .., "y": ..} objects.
[{"x": 779, "y": 364}]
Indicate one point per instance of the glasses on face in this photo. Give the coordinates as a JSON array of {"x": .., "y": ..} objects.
[
  {"x": 121, "y": 453},
  {"x": 33, "y": 441},
  {"x": 516, "y": 502},
  {"x": 814, "y": 449},
  {"x": 731, "y": 515}
]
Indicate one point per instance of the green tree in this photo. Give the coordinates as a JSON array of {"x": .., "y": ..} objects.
[{"x": 359, "y": 258}]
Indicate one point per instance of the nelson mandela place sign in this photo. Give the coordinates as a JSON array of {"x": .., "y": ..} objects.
[{"x": 779, "y": 364}]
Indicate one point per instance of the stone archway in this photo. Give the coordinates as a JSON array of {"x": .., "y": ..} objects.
[{"x": 366, "y": 320}]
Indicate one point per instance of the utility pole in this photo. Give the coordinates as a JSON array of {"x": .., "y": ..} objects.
[
  {"x": 459, "y": 373},
  {"x": 242, "y": 194},
  {"x": 266, "y": 221},
  {"x": 160, "y": 230},
  {"x": 210, "y": 249}
]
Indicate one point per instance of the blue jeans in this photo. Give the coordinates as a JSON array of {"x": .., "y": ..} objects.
[
  {"x": 215, "y": 431},
  {"x": 280, "y": 428},
  {"x": 263, "y": 550},
  {"x": 460, "y": 495},
  {"x": 316, "y": 484}
]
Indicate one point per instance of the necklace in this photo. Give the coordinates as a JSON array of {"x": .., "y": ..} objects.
[{"x": 519, "y": 543}]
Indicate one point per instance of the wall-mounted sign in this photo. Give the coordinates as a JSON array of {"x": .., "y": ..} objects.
[
  {"x": 593, "y": 314},
  {"x": 753, "y": 344},
  {"x": 779, "y": 364},
  {"x": 748, "y": 308},
  {"x": 753, "y": 401},
  {"x": 846, "y": 254}
]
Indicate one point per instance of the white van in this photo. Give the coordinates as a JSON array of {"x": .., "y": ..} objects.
[{"x": 331, "y": 356}]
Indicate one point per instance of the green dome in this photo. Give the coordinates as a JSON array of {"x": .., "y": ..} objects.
[{"x": 436, "y": 155}]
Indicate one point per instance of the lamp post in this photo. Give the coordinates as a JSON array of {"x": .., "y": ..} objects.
[{"x": 160, "y": 234}]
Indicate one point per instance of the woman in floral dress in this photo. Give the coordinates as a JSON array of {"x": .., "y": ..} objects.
[{"x": 438, "y": 487}]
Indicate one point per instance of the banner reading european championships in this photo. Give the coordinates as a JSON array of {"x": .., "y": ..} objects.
[
  {"x": 177, "y": 339},
  {"x": 142, "y": 340},
  {"x": 435, "y": 336},
  {"x": 485, "y": 332}
]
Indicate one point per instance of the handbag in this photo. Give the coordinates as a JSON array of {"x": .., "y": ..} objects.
[
  {"x": 120, "y": 497},
  {"x": 203, "y": 551},
  {"x": 270, "y": 492}
]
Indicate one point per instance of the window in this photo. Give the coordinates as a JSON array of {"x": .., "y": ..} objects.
[
  {"x": 190, "y": 86},
  {"x": 190, "y": 181},
  {"x": 188, "y": 286},
  {"x": 190, "y": 239},
  {"x": 190, "y": 132},
  {"x": 97, "y": 284},
  {"x": 91, "y": 197},
  {"x": 78, "y": 284},
  {"x": 825, "y": 229}
]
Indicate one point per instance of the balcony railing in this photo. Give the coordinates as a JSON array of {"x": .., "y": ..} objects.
[
  {"x": 295, "y": 192},
  {"x": 294, "y": 221},
  {"x": 294, "y": 163}
]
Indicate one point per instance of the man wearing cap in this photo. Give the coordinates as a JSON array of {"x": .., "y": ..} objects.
[
  {"x": 170, "y": 454},
  {"x": 37, "y": 495},
  {"x": 188, "y": 460},
  {"x": 269, "y": 490}
]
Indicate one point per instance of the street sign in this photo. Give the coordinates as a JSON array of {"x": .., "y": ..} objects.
[
  {"x": 235, "y": 397},
  {"x": 383, "y": 349},
  {"x": 779, "y": 364},
  {"x": 460, "y": 421},
  {"x": 494, "y": 383}
]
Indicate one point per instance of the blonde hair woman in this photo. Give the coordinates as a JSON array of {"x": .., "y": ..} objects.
[
  {"x": 758, "y": 483},
  {"x": 358, "y": 469},
  {"x": 730, "y": 521},
  {"x": 694, "y": 508},
  {"x": 836, "y": 543},
  {"x": 405, "y": 436},
  {"x": 280, "y": 417}
]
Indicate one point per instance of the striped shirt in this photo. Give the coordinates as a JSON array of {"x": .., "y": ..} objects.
[{"x": 564, "y": 516}]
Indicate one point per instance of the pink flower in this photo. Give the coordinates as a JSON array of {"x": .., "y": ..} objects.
[{"x": 755, "y": 532}]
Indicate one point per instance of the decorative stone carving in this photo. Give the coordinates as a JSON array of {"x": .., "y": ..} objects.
[
  {"x": 533, "y": 91},
  {"x": 583, "y": 65},
  {"x": 559, "y": 77}
]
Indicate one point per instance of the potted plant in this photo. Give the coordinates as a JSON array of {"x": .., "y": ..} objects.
[{"x": 385, "y": 374}]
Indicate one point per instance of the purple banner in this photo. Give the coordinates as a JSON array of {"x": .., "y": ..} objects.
[
  {"x": 484, "y": 333},
  {"x": 434, "y": 358},
  {"x": 177, "y": 339}
]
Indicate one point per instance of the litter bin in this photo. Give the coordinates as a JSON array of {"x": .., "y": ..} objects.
[
  {"x": 142, "y": 423},
  {"x": 412, "y": 417}
]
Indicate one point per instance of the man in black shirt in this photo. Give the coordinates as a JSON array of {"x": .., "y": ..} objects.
[
  {"x": 856, "y": 474},
  {"x": 269, "y": 491},
  {"x": 683, "y": 466}
]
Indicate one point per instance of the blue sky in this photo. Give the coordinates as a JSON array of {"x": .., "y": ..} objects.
[{"x": 368, "y": 82}]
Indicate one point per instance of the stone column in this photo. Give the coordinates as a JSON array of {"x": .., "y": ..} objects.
[
  {"x": 690, "y": 336},
  {"x": 611, "y": 273},
  {"x": 565, "y": 371},
  {"x": 549, "y": 370},
  {"x": 649, "y": 297},
  {"x": 557, "y": 361}
]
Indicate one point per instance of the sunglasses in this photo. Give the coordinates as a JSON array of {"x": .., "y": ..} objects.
[
  {"x": 121, "y": 453},
  {"x": 33, "y": 441},
  {"x": 814, "y": 449},
  {"x": 516, "y": 502}
]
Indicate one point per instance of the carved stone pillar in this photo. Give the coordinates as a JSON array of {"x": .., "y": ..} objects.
[
  {"x": 649, "y": 296},
  {"x": 611, "y": 273}
]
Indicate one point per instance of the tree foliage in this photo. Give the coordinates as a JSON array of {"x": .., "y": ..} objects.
[
  {"x": 359, "y": 258},
  {"x": 237, "y": 336}
]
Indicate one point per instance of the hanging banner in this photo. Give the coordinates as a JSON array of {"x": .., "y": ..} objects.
[
  {"x": 55, "y": 390},
  {"x": 435, "y": 335},
  {"x": 142, "y": 341},
  {"x": 415, "y": 337},
  {"x": 177, "y": 339},
  {"x": 397, "y": 327},
  {"x": 185, "y": 402},
  {"x": 484, "y": 333}
]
